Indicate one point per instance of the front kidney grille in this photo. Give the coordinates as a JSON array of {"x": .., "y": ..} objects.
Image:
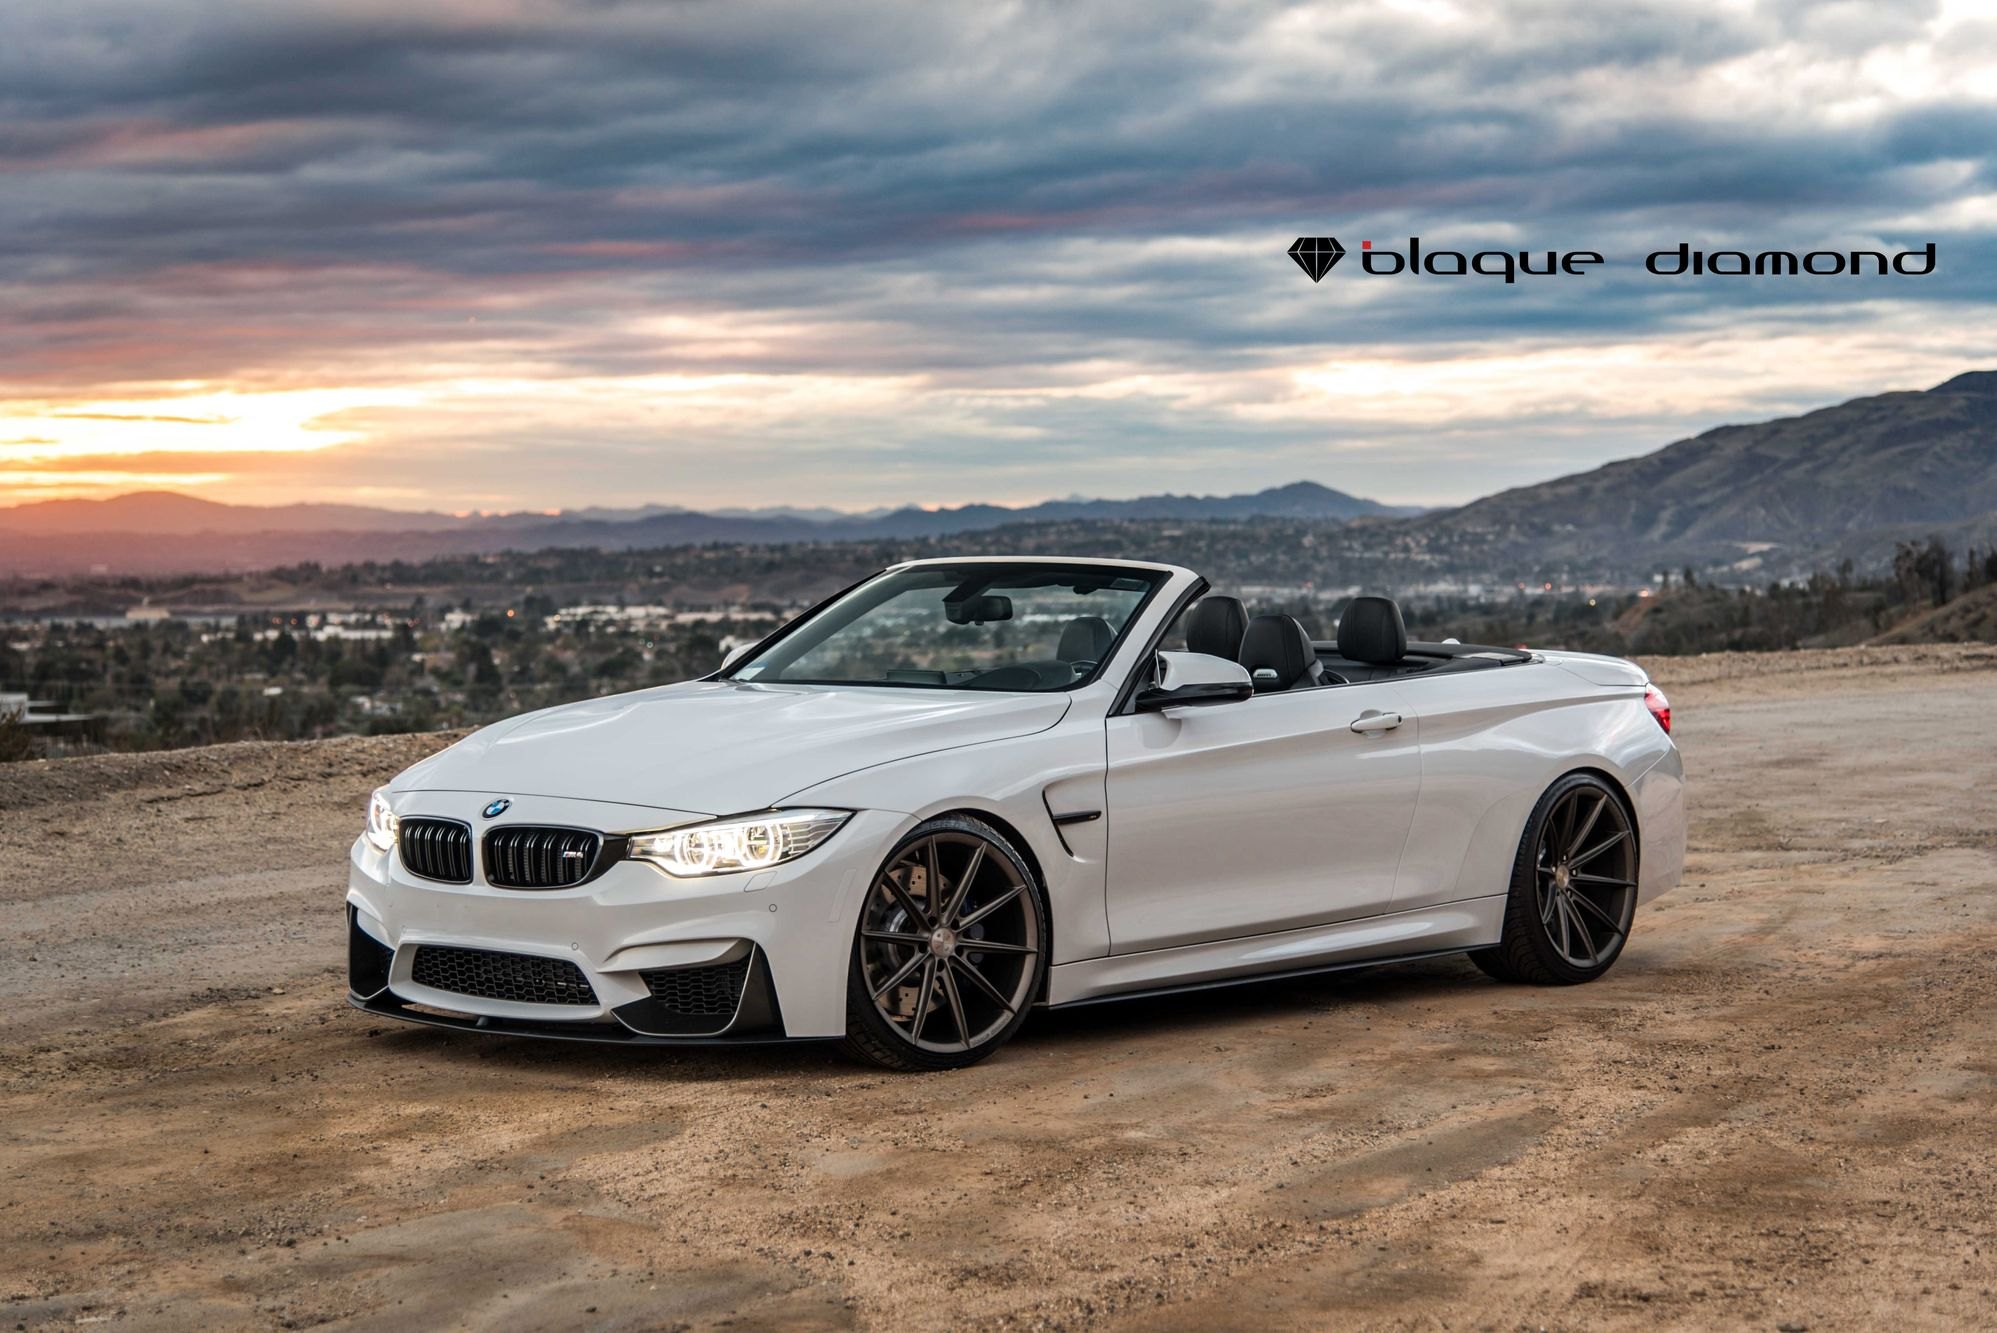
[
  {"x": 491, "y": 975},
  {"x": 519, "y": 857},
  {"x": 699, "y": 992},
  {"x": 439, "y": 849}
]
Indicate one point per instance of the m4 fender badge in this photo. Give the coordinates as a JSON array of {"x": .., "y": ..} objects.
[{"x": 497, "y": 808}]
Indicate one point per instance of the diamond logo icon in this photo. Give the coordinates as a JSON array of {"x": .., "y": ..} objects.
[{"x": 1316, "y": 254}]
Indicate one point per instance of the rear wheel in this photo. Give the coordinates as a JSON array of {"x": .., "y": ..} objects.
[
  {"x": 950, "y": 949},
  {"x": 1573, "y": 890}
]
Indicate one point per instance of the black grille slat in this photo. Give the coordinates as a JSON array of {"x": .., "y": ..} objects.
[
  {"x": 525, "y": 857},
  {"x": 492, "y": 975},
  {"x": 439, "y": 849},
  {"x": 699, "y": 992}
]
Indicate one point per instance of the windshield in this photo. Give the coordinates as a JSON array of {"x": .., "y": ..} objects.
[{"x": 965, "y": 627}]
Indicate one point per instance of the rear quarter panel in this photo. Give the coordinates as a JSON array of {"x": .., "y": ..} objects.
[{"x": 1492, "y": 742}]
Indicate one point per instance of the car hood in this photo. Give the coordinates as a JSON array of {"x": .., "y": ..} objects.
[{"x": 722, "y": 747}]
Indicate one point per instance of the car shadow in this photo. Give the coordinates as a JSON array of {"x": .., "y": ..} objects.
[
  {"x": 1165, "y": 1018},
  {"x": 1272, "y": 1000},
  {"x": 545, "y": 1057}
]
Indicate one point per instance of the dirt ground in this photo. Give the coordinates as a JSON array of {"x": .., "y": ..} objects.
[{"x": 1776, "y": 1112}]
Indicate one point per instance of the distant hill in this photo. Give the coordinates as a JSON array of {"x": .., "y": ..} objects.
[
  {"x": 1746, "y": 503},
  {"x": 169, "y": 513},
  {"x": 161, "y": 531},
  {"x": 1969, "y": 618},
  {"x": 1854, "y": 475},
  {"x": 1299, "y": 499}
]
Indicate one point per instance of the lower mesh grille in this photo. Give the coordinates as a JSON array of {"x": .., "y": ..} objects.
[
  {"x": 699, "y": 992},
  {"x": 491, "y": 975}
]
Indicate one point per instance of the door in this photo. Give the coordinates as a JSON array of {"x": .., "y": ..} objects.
[{"x": 1268, "y": 814}]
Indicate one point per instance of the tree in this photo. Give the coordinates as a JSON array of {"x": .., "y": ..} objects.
[
  {"x": 1924, "y": 573},
  {"x": 16, "y": 744}
]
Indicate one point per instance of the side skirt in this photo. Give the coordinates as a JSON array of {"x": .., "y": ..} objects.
[{"x": 1427, "y": 932}]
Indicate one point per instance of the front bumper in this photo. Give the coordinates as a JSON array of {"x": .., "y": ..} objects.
[
  {"x": 754, "y": 1016},
  {"x": 630, "y": 934}
]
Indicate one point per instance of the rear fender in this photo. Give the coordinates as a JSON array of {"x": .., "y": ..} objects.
[{"x": 1492, "y": 743}]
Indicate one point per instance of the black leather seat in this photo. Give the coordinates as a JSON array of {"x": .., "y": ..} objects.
[
  {"x": 1215, "y": 627},
  {"x": 1085, "y": 639},
  {"x": 1372, "y": 634},
  {"x": 1278, "y": 654}
]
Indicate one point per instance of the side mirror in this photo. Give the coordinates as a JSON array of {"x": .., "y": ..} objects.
[
  {"x": 1194, "y": 680},
  {"x": 736, "y": 654}
]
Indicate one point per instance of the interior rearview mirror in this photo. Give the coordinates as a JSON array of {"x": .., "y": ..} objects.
[
  {"x": 978, "y": 610},
  {"x": 1194, "y": 680}
]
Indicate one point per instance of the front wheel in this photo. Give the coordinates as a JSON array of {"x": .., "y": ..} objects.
[
  {"x": 950, "y": 950},
  {"x": 1573, "y": 890}
]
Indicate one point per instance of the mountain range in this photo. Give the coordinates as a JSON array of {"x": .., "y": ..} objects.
[
  {"x": 1847, "y": 479},
  {"x": 163, "y": 531},
  {"x": 1769, "y": 499}
]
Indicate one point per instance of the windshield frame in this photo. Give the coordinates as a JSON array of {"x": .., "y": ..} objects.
[{"x": 1157, "y": 577}]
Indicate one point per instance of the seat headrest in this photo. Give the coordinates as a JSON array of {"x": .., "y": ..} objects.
[
  {"x": 1277, "y": 652},
  {"x": 1085, "y": 639},
  {"x": 1215, "y": 627},
  {"x": 1370, "y": 630}
]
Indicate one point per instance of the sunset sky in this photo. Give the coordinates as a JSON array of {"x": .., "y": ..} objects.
[{"x": 532, "y": 254}]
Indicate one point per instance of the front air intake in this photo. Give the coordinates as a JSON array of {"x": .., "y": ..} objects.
[
  {"x": 735, "y": 999},
  {"x": 492, "y": 975},
  {"x": 368, "y": 959},
  {"x": 699, "y": 992},
  {"x": 439, "y": 849},
  {"x": 519, "y": 857}
]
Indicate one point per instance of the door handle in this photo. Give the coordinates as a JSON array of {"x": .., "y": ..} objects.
[{"x": 1369, "y": 722}]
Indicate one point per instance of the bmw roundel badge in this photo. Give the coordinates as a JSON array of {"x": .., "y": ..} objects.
[{"x": 498, "y": 808}]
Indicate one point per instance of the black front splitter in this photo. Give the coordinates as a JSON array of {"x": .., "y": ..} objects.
[{"x": 385, "y": 1005}]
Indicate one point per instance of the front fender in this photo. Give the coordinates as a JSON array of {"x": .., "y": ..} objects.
[{"x": 1014, "y": 783}]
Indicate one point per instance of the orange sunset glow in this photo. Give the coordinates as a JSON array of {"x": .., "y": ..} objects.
[{"x": 523, "y": 257}]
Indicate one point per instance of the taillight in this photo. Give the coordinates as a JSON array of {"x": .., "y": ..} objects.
[{"x": 1659, "y": 706}]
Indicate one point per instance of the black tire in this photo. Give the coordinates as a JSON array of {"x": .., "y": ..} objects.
[
  {"x": 953, "y": 932},
  {"x": 1573, "y": 889}
]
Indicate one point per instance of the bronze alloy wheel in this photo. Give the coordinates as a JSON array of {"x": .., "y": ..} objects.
[
  {"x": 1573, "y": 890},
  {"x": 950, "y": 949}
]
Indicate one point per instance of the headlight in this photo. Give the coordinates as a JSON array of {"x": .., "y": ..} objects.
[
  {"x": 383, "y": 826},
  {"x": 744, "y": 842}
]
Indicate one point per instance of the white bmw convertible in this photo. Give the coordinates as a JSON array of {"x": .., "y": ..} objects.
[{"x": 965, "y": 788}]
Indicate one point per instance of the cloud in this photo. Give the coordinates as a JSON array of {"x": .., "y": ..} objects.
[{"x": 932, "y": 253}]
